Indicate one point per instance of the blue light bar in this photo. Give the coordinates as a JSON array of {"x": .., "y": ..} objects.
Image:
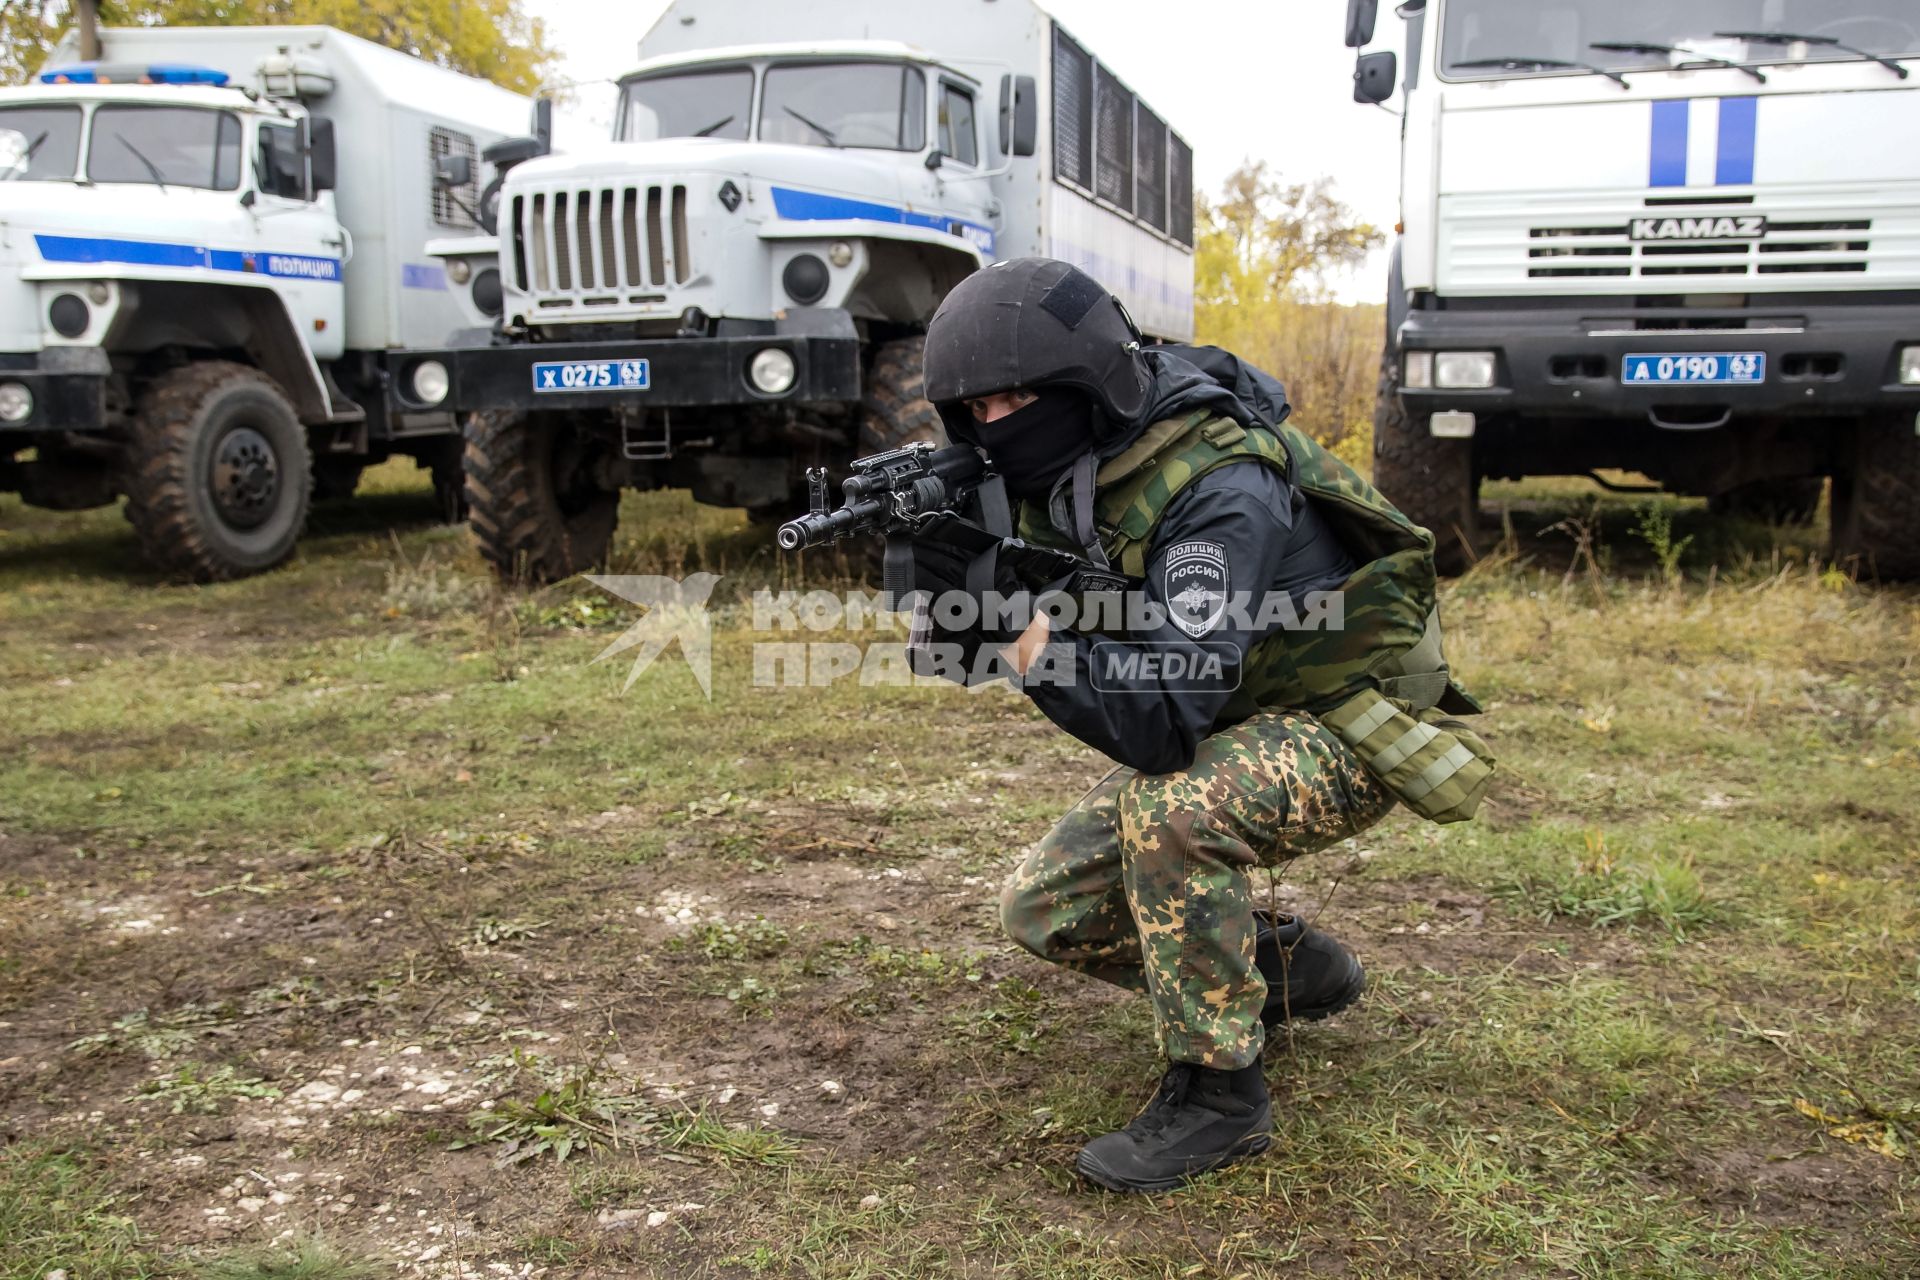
[{"x": 133, "y": 73}]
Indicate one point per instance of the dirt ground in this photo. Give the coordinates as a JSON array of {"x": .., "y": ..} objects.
[{"x": 355, "y": 921}]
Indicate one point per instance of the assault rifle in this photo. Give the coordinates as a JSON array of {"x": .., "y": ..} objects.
[{"x": 922, "y": 492}]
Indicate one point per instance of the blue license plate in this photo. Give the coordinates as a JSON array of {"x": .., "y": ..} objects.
[
  {"x": 551, "y": 376},
  {"x": 1694, "y": 367}
]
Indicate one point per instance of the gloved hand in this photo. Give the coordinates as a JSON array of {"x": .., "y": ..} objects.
[{"x": 940, "y": 567}]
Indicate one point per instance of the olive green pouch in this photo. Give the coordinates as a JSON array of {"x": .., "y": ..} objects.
[{"x": 1435, "y": 764}]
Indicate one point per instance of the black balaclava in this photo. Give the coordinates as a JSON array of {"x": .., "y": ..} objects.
[{"x": 1033, "y": 446}]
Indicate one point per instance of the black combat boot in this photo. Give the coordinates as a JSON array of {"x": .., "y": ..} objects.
[
  {"x": 1200, "y": 1119},
  {"x": 1309, "y": 975}
]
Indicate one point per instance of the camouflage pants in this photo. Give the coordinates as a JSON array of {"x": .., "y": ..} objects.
[{"x": 1146, "y": 882}]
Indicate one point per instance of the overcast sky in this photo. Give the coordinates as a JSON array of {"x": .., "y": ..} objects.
[{"x": 1262, "y": 79}]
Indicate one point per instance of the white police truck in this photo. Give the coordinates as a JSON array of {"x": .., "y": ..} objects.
[
  {"x": 211, "y": 241},
  {"x": 1679, "y": 239},
  {"x": 735, "y": 288}
]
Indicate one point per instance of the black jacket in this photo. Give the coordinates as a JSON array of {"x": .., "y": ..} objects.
[{"x": 1147, "y": 700}]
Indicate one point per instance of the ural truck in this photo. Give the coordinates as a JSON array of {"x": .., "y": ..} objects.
[
  {"x": 210, "y": 242},
  {"x": 1680, "y": 239},
  {"x": 736, "y": 287}
]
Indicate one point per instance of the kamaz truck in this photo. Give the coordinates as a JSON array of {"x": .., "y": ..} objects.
[
  {"x": 211, "y": 242},
  {"x": 735, "y": 288},
  {"x": 1677, "y": 239}
]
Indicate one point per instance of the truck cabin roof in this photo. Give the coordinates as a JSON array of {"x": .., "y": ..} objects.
[
  {"x": 170, "y": 95},
  {"x": 796, "y": 51}
]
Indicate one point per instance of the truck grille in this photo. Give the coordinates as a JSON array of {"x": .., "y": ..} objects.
[
  {"x": 1832, "y": 245},
  {"x": 599, "y": 246},
  {"x": 1545, "y": 243}
]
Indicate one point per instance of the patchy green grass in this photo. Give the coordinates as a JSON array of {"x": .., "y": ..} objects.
[
  {"x": 387, "y": 846},
  {"x": 303, "y": 1258}
]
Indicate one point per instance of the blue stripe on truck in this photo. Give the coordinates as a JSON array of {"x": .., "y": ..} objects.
[
  {"x": 813, "y": 206},
  {"x": 1667, "y": 147},
  {"x": 151, "y": 253},
  {"x": 1734, "y": 164}
]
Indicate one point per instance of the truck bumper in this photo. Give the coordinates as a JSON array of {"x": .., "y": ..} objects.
[
  {"x": 1825, "y": 357},
  {"x": 641, "y": 373},
  {"x": 68, "y": 386}
]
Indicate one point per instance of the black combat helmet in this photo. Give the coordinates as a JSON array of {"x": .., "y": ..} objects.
[{"x": 1034, "y": 322}]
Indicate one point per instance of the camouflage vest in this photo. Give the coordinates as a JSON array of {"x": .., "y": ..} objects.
[{"x": 1387, "y": 642}]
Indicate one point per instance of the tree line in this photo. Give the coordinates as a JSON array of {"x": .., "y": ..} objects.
[{"x": 494, "y": 39}]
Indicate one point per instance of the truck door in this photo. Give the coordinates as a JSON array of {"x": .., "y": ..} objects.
[
  {"x": 296, "y": 240},
  {"x": 954, "y": 189}
]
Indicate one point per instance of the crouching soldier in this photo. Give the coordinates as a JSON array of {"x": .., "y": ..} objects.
[{"x": 1174, "y": 465}]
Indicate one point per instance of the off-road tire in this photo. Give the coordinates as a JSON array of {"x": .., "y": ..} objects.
[
  {"x": 528, "y": 527},
  {"x": 184, "y": 419},
  {"x": 1771, "y": 501},
  {"x": 1431, "y": 481},
  {"x": 336, "y": 478},
  {"x": 1876, "y": 500},
  {"x": 895, "y": 407}
]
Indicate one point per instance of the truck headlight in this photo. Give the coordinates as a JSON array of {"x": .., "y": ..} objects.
[
  {"x": 486, "y": 292},
  {"x": 1463, "y": 369},
  {"x": 1419, "y": 373},
  {"x": 805, "y": 279},
  {"x": 1910, "y": 365},
  {"x": 459, "y": 270},
  {"x": 430, "y": 382},
  {"x": 772, "y": 371},
  {"x": 16, "y": 402},
  {"x": 69, "y": 315}
]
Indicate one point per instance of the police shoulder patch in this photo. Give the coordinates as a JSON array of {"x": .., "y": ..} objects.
[{"x": 1196, "y": 586}]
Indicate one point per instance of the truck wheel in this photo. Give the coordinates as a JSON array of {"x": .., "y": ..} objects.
[
  {"x": 1431, "y": 481},
  {"x": 537, "y": 509},
  {"x": 217, "y": 474},
  {"x": 1876, "y": 500},
  {"x": 335, "y": 478},
  {"x": 897, "y": 410},
  {"x": 1771, "y": 501}
]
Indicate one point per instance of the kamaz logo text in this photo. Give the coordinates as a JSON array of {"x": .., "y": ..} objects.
[{"x": 1747, "y": 227}]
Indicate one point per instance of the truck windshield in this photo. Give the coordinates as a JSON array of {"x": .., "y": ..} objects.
[
  {"x": 701, "y": 104},
  {"x": 165, "y": 146},
  {"x": 1567, "y": 31},
  {"x": 845, "y": 104},
  {"x": 38, "y": 142}
]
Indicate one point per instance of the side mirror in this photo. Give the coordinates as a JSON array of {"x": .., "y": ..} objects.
[
  {"x": 1360, "y": 19},
  {"x": 1373, "y": 76},
  {"x": 453, "y": 171},
  {"x": 1019, "y": 115},
  {"x": 320, "y": 155},
  {"x": 936, "y": 158},
  {"x": 543, "y": 124}
]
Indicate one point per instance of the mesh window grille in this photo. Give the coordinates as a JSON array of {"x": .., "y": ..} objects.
[
  {"x": 447, "y": 201},
  {"x": 1113, "y": 154},
  {"x": 1179, "y": 190},
  {"x": 1072, "y": 111},
  {"x": 1150, "y": 169}
]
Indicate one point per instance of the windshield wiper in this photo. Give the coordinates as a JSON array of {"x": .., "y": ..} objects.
[
  {"x": 817, "y": 128},
  {"x": 1790, "y": 37},
  {"x": 152, "y": 168},
  {"x": 1614, "y": 76},
  {"x": 1644, "y": 46},
  {"x": 721, "y": 123}
]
